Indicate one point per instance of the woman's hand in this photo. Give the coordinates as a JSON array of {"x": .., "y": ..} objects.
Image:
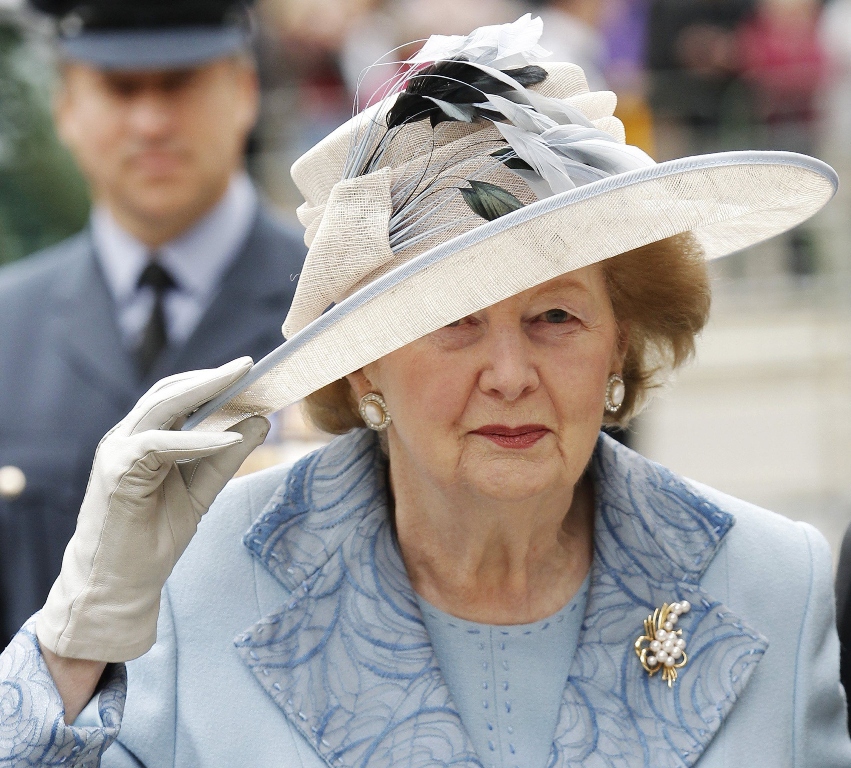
[{"x": 149, "y": 487}]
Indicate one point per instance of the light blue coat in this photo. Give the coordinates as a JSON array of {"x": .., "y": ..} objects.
[{"x": 302, "y": 645}]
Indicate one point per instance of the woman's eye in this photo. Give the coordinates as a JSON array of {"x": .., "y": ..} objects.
[
  {"x": 556, "y": 316},
  {"x": 456, "y": 323}
]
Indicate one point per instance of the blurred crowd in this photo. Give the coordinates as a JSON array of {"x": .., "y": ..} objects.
[{"x": 691, "y": 76}]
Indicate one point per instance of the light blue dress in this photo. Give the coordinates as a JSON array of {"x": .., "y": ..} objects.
[
  {"x": 301, "y": 644},
  {"x": 507, "y": 681}
]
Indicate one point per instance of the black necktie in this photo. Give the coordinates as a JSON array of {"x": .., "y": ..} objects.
[{"x": 154, "y": 335}]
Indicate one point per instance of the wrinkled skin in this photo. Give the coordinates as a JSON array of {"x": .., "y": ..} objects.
[{"x": 499, "y": 528}]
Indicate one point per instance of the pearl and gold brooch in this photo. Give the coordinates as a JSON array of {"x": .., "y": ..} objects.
[{"x": 662, "y": 647}]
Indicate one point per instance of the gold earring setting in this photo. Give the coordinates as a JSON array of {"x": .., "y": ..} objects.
[
  {"x": 373, "y": 411},
  {"x": 615, "y": 393}
]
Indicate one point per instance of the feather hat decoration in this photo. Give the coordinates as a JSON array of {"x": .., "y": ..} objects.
[
  {"x": 470, "y": 130},
  {"x": 482, "y": 171}
]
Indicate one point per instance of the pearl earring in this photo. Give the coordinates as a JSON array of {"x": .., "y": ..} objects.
[
  {"x": 615, "y": 393},
  {"x": 373, "y": 411}
]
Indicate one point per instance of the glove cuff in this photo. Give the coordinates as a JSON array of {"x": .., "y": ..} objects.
[{"x": 91, "y": 645}]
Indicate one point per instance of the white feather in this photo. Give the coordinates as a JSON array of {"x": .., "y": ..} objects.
[
  {"x": 530, "y": 148},
  {"x": 488, "y": 45},
  {"x": 607, "y": 156},
  {"x": 580, "y": 173},
  {"x": 525, "y": 118},
  {"x": 463, "y": 113},
  {"x": 556, "y": 109},
  {"x": 533, "y": 180}
]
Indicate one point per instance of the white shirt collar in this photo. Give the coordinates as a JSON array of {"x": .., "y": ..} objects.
[{"x": 197, "y": 259}]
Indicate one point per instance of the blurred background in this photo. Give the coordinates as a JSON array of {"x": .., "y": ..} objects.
[{"x": 764, "y": 412}]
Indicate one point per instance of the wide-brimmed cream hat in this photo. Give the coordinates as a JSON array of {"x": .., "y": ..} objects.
[{"x": 482, "y": 173}]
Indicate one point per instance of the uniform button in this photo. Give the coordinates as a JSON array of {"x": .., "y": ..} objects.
[{"x": 12, "y": 482}]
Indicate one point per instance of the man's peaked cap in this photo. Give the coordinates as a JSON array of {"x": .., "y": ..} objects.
[
  {"x": 149, "y": 34},
  {"x": 144, "y": 14}
]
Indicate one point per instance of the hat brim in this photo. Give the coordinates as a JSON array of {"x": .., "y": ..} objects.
[
  {"x": 154, "y": 49},
  {"x": 729, "y": 200}
]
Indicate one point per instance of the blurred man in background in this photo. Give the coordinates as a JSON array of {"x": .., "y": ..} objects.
[{"x": 180, "y": 267}]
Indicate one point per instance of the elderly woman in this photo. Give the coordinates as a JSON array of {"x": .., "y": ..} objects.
[{"x": 479, "y": 578}]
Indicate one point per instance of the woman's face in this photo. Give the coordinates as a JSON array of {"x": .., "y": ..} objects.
[{"x": 507, "y": 402}]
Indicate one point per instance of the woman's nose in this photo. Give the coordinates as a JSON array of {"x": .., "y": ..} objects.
[{"x": 509, "y": 370}]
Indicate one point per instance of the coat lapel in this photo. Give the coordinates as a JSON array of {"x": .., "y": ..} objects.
[
  {"x": 654, "y": 538},
  {"x": 349, "y": 662},
  {"x": 348, "y": 659},
  {"x": 84, "y": 321},
  {"x": 247, "y": 314}
]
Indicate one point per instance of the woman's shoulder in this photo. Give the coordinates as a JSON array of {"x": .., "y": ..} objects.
[
  {"x": 700, "y": 528},
  {"x": 711, "y": 524},
  {"x": 775, "y": 572},
  {"x": 776, "y": 575},
  {"x": 766, "y": 541}
]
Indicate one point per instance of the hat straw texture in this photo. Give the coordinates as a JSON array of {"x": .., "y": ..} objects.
[{"x": 354, "y": 214}]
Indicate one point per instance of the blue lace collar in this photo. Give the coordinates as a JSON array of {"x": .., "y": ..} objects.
[{"x": 349, "y": 662}]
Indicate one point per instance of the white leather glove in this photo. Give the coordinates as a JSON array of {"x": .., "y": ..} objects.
[{"x": 148, "y": 489}]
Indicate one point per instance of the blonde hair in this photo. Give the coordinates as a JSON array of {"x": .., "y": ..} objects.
[{"x": 660, "y": 292}]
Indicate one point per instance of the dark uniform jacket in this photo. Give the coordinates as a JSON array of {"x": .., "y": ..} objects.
[
  {"x": 843, "y": 614},
  {"x": 66, "y": 378}
]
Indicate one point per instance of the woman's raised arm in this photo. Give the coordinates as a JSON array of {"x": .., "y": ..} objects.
[{"x": 149, "y": 487}]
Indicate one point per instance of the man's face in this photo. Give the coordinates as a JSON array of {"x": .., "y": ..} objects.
[{"x": 158, "y": 148}]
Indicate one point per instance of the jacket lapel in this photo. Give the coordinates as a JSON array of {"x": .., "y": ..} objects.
[
  {"x": 247, "y": 314},
  {"x": 349, "y": 662},
  {"x": 654, "y": 538},
  {"x": 84, "y": 321},
  {"x": 348, "y": 659}
]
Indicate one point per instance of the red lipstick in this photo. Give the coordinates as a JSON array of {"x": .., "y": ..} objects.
[{"x": 524, "y": 436}]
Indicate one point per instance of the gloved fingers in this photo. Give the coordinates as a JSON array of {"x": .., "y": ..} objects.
[
  {"x": 181, "y": 394},
  {"x": 183, "y": 515},
  {"x": 153, "y": 395},
  {"x": 174, "y": 378},
  {"x": 143, "y": 456},
  {"x": 211, "y": 474}
]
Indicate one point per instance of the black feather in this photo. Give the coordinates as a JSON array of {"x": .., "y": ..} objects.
[
  {"x": 455, "y": 82},
  {"x": 508, "y": 157},
  {"x": 488, "y": 200}
]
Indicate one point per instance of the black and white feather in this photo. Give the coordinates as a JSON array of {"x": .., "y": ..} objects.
[{"x": 485, "y": 78}]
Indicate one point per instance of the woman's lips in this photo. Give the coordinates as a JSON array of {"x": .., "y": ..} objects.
[{"x": 513, "y": 437}]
